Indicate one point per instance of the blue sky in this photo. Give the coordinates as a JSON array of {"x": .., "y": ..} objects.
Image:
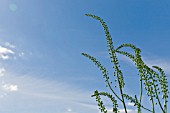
[{"x": 41, "y": 41}]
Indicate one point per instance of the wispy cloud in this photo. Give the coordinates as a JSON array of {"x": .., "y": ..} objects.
[
  {"x": 4, "y": 50},
  {"x": 128, "y": 110},
  {"x": 69, "y": 110},
  {"x": 122, "y": 111},
  {"x": 6, "y": 86},
  {"x": 10, "y": 87},
  {"x": 5, "y": 53},
  {"x": 34, "y": 90},
  {"x": 156, "y": 61},
  {"x": 162, "y": 63},
  {"x": 130, "y": 104},
  {"x": 9, "y": 45}
]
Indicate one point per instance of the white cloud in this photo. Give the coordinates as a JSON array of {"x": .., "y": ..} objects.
[
  {"x": 35, "y": 90},
  {"x": 4, "y": 50},
  {"x": 122, "y": 111},
  {"x": 128, "y": 110},
  {"x": 162, "y": 63},
  {"x": 69, "y": 110},
  {"x": 9, "y": 45},
  {"x": 4, "y": 57},
  {"x": 130, "y": 104},
  {"x": 110, "y": 111},
  {"x": 4, "y": 53},
  {"x": 10, "y": 87}
]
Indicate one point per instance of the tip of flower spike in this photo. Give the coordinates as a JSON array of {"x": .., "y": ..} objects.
[
  {"x": 88, "y": 14},
  {"x": 93, "y": 16},
  {"x": 84, "y": 54}
]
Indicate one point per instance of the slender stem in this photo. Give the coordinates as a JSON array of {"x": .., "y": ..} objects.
[
  {"x": 157, "y": 97},
  {"x": 121, "y": 92},
  {"x": 115, "y": 62},
  {"x": 146, "y": 109},
  {"x": 123, "y": 101},
  {"x": 138, "y": 105},
  {"x": 114, "y": 93},
  {"x": 141, "y": 90},
  {"x": 153, "y": 106},
  {"x": 165, "y": 107}
]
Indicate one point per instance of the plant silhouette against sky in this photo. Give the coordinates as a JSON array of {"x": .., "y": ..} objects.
[{"x": 152, "y": 80}]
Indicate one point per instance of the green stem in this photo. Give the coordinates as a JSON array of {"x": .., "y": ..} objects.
[
  {"x": 165, "y": 107},
  {"x": 141, "y": 90},
  {"x": 120, "y": 87},
  {"x": 123, "y": 101},
  {"x": 114, "y": 92},
  {"x": 138, "y": 105},
  {"x": 156, "y": 92},
  {"x": 157, "y": 97},
  {"x": 146, "y": 109},
  {"x": 153, "y": 106}
]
